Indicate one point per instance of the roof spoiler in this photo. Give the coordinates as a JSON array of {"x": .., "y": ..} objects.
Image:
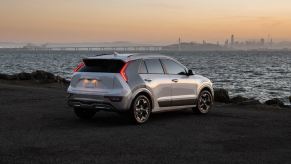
[{"x": 114, "y": 53}]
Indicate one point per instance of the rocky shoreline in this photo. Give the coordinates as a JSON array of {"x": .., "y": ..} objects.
[
  {"x": 38, "y": 76},
  {"x": 221, "y": 95}
]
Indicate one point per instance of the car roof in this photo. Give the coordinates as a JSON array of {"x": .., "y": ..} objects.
[{"x": 128, "y": 56}]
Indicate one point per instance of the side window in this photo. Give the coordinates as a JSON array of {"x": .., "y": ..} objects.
[
  {"x": 154, "y": 66},
  {"x": 142, "y": 67},
  {"x": 173, "y": 68},
  {"x": 132, "y": 67}
]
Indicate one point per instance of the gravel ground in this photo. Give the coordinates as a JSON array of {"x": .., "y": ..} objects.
[{"x": 37, "y": 126}]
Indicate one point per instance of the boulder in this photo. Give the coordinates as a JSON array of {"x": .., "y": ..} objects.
[
  {"x": 42, "y": 76},
  {"x": 37, "y": 76},
  {"x": 221, "y": 95},
  {"x": 11, "y": 77},
  {"x": 61, "y": 80},
  {"x": 251, "y": 102},
  {"x": 23, "y": 76},
  {"x": 244, "y": 101},
  {"x": 275, "y": 102},
  {"x": 3, "y": 76},
  {"x": 239, "y": 99}
]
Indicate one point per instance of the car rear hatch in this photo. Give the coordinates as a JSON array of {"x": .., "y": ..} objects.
[{"x": 97, "y": 75}]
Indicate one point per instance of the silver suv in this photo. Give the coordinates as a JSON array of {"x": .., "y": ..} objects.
[{"x": 138, "y": 85}]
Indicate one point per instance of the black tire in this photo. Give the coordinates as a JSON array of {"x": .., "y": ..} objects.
[
  {"x": 141, "y": 109},
  {"x": 204, "y": 102},
  {"x": 84, "y": 114}
]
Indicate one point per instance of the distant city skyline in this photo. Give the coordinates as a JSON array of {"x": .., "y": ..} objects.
[
  {"x": 159, "y": 21},
  {"x": 231, "y": 43},
  {"x": 227, "y": 40}
]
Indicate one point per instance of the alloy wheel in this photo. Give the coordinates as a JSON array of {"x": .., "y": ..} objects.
[
  {"x": 205, "y": 102},
  {"x": 142, "y": 109}
]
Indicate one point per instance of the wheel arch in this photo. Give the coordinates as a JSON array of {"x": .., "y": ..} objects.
[
  {"x": 207, "y": 88},
  {"x": 143, "y": 91}
]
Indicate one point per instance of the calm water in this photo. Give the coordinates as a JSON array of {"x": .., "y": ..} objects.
[{"x": 259, "y": 74}]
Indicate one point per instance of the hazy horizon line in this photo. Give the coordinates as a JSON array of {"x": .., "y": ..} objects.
[{"x": 140, "y": 42}]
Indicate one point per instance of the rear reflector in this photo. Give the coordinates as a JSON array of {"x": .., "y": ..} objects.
[{"x": 114, "y": 98}]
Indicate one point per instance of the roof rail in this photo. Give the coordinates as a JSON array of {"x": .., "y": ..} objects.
[
  {"x": 118, "y": 54},
  {"x": 115, "y": 53},
  {"x": 130, "y": 55}
]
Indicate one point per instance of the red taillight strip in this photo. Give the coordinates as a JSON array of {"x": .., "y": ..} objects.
[
  {"x": 122, "y": 72},
  {"x": 81, "y": 65}
]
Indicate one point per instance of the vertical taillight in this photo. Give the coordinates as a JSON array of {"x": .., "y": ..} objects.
[
  {"x": 81, "y": 65},
  {"x": 123, "y": 73}
]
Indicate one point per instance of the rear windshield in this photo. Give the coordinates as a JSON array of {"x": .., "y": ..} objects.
[{"x": 102, "y": 65}]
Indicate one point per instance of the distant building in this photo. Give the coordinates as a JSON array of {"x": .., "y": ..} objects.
[
  {"x": 226, "y": 43},
  {"x": 232, "y": 40},
  {"x": 179, "y": 47},
  {"x": 262, "y": 41}
]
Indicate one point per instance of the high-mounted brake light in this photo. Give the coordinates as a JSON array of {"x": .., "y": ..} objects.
[
  {"x": 81, "y": 65},
  {"x": 122, "y": 72}
]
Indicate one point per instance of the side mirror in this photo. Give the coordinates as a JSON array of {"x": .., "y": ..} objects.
[{"x": 190, "y": 72}]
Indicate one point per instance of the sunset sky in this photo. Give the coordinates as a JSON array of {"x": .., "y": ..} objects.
[{"x": 152, "y": 21}]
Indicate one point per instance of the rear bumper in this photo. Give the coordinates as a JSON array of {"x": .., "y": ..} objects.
[
  {"x": 89, "y": 104},
  {"x": 98, "y": 102}
]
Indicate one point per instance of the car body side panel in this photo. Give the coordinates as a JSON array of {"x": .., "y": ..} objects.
[
  {"x": 160, "y": 86},
  {"x": 184, "y": 91},
  {"x": 203, "y": 82}
]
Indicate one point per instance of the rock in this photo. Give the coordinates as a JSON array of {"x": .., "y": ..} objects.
[
  {"x": 239, "y": 99},
  {"x": 42, "y": 76},
  {"x": 11, "y": 77},
  {"x": 251, "y": 102},
  {"x": 245, "y": 101},
  {"x": 20, "y": 76},
  {"x": 221, "y": 95},
  {"x": 61, "y": 80},
  {"x": 23, "y": 76},
  {"x": 3, "y": 76},
  {"x": 275, "y": 102},
  {"x": 38, "y": 76}
]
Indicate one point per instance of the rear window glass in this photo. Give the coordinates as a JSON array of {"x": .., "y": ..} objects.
[{"x": 102, "y": 65}]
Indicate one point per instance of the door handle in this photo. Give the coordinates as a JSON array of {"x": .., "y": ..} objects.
[
  {"x": 147, "y": 80},
  {"x": 175, "y": 80}
]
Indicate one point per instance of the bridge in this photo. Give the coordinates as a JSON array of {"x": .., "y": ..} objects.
[{"x": 98, "y": 49}]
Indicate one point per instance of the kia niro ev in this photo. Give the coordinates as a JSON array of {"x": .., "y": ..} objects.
[{"x": 138, "y": 85}]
